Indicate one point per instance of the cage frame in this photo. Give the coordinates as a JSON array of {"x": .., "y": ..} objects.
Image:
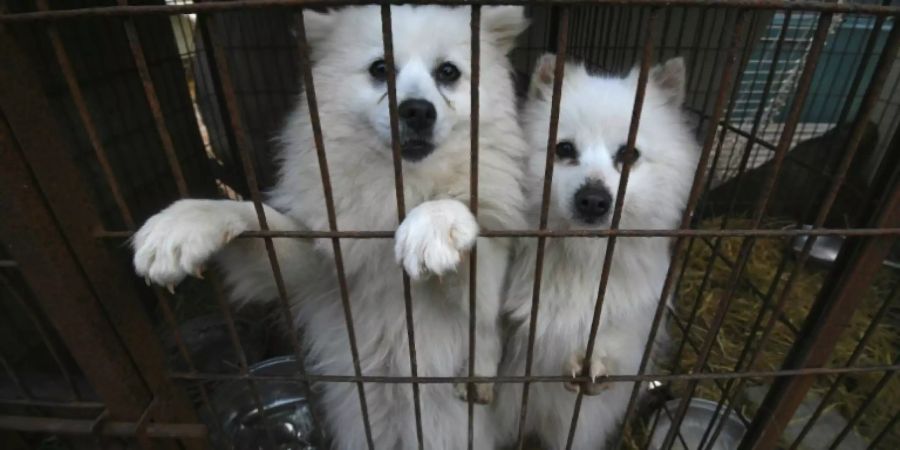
[{"x": 69, "y": 235}]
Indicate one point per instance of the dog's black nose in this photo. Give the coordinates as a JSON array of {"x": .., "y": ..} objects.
[
  {"x": 592, "y": 202},
  {"x": 417, "y": 114}
]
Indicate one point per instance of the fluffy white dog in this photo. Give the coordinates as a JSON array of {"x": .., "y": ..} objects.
[
  {"x": 594, "y": 119},
  {"x": 432, "y": 54}
]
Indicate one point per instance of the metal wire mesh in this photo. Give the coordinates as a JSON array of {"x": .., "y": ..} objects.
[{"x": 166, "y": 101}]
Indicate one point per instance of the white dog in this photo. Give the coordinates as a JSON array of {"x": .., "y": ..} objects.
[
  {"x": 432, "y": 54},
  {"x": 594, "y": 119}
]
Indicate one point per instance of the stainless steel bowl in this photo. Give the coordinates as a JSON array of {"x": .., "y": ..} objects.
[
  {"x": 700, "y": 414},
  {"x": 826, "y": 249},
  {"x": 285, "y": 422}
]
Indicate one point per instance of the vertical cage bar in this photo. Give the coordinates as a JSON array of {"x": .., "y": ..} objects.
[
  {"x": 90, "y": 130},
  {"x": 245, "y": 151},
  {"x": 75, "y": 219},
  {"x": 799, "y": 101},
  {"x": 559, "y": 71},
  {"x": 319, "y": 140},
  {"x": 716, "y": 246},
  {"x": 44, "y": 334},
  {"x": 852, "y": 147},
  {"x": 637, "y": 108},
  {"x": 882, "y": 383},
  {"x": 387, "y": 37},
  {"x": 725, "y": 86},
  {"x": 854, "y": 357},
  {"x": 169, "y": 150},
  {"x": 745, "y": 158},
  {"x": 473, "y": 205},
  {"x": 140, "y": 61},
  {"x": 91, "y": 339},
  {"x": 876, "y": 443},
  {"x": 835, "y": 303},
  {"x": 20, "y": 388}
]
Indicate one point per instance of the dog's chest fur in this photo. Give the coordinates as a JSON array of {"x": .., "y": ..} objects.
[{"x": 570, "y": 283}]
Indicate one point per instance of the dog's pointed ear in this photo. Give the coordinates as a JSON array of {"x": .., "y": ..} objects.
[
  {"x": 502, "y": 24},
  {"x": 670, "y": 78},
  {"x": 541, "y": 86},
  {"x": 318, "y": 25}
]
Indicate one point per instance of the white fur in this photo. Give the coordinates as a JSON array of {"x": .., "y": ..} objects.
[
  {"x": 432, "y": 240},
  {"x": 595, "y": 114}
]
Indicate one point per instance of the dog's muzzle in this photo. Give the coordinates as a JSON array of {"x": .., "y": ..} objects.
[
  {"x": 591, "y": 203},
  {"x": 417, "y": 118},
  {"x": 414, "y": 149}
]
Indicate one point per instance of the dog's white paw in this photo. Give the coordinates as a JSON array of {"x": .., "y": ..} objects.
[
  {"x": 433, "y": 237},
  {"x": 483, "y": 392},
  {"x": 575, "y": 367},
  {"x": 179, "y": 240}
]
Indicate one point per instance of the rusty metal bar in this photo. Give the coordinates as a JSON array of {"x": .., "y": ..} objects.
[
  {"x": 181, "y": 185},
  {"x": 882, "y": 383},
  {"x": 90, "y": 338},
  {"x": 590, "y": 44},
  {"x": 744, "y": 160},
  {"x": 802, "y": 5},
  {"x": 643, "y": 78},
  {"x": 865, "y": 109},
  {"x": 866, "y": 54},
  {"x": 884, "y": 432},
  {"x": 387, "y": 37},
  {"x": 854, "y": 357},
  {"x": 696, "y": 48},
  {"x": 245, "y": 151},
  {"x": 14, "y": 377},
  {"x": 610, "y": 22},
  {"x": 88, "y": 271},
  {"x": 693, "y": 376},
  {"x": 101, "y": 155},
  {"x": 793, "y": 118},
  {"x": 160, "y": 430},
  {"x": 90, "y": 130},
  {"x": 319, "y": 140},
  {"x": 835, "y": 305},
  {"x": 44, "y": 334},
  {"x": 473, "y": 206},
  {"x": 538, "y": 233},
  {"x": 140, "y": 61},
  {"x": 725, "y": 85},
  {"x": 562, "y": 38},
  {"x": 49, "y": 404},
  {"x": 140, "y": 432},
  {"x": 225, "y": 308}
]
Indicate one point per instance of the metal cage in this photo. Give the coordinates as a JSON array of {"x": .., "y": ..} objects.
[{"x": 112, "y": 110}]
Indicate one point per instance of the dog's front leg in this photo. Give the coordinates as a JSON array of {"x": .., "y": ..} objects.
[
  {"x": 184, "y": 238},
  {"x": 487, "y": 360},
  {"x": 493, "y": 257},
  {"x": 434, "y": 236}
]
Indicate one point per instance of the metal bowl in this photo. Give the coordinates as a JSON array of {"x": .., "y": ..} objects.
[
  {"x": 285, "y": 422},
  {"x": 824, "y": 251},
  {"x": 700, "y": 414}
]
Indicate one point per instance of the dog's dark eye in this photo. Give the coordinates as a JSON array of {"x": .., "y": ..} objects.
[
  {"x": 446, "y": 73},
  {"x": 378, "y": 70},
  {"x": 622, "y": 155},
  {"x": 566, "y": 150}
]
